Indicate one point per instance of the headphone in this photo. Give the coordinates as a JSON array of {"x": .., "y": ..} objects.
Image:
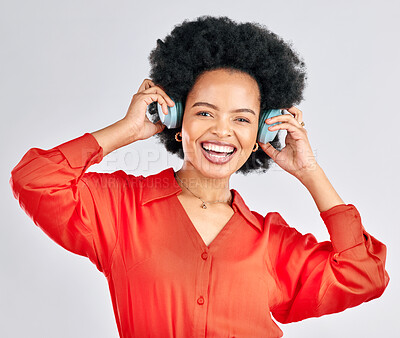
[{"x": 175, "y": 115}]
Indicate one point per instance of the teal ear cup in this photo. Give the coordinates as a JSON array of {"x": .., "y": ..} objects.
[
  {"x": 175, "y": 115},
  {"x": 265, "y": 135}
]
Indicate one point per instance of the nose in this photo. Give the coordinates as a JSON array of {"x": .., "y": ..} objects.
[{"x": 222, "y": 127}]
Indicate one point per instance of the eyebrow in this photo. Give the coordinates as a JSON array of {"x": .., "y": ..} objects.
[{"x": 216, "y": 108}]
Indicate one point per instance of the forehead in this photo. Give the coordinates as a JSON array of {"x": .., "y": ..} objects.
[{"x": 225, "y": 82}]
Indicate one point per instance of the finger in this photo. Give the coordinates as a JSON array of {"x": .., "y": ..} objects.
[
  {"x": 159, "y": 126},
  {"x": 269, "y": 150},
  {"x": 158, "y": 90},
  {"x": 147, "y": 83},
  {"x": 288, "y": 126},
  {"x": 283, "y": 118},
  {"x": 153, "y": 97},
  {"x": 298, "y": 114}
]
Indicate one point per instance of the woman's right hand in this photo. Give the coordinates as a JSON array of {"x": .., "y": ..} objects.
[{"x": 136, "y": 118}]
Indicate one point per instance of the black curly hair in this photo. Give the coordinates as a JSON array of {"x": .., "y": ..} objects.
[{"x": 209, "y": 43}]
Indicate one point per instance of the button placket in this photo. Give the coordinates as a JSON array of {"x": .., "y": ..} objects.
[
  {"x": 204, "y": 256},
  {"x": 202, "y": 287}
]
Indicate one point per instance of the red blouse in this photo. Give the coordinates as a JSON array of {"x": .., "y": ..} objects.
[{"x": 164, "y": 281}]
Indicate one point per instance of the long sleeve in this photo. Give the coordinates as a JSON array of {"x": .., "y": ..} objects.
[
  {"x": 327, "y": 277},
  {"x": 78, "y": 210}
]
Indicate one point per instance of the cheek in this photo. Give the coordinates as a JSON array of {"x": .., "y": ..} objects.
[
  {"x": 189, "y": 136},
  {"x": 248, "y": 137},
  {"x": 193, "y": 130}
]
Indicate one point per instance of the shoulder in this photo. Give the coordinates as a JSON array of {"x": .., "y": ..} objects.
[
  {"x": 128, "y": 187},
  {"x": 145, "y": 188},
  {"x": 115, "y": 180},
  {"x": 271, "y": 222},
  {"x": 275, "y": 224}
]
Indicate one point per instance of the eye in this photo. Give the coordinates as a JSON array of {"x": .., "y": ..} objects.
[
  {"x": 202, "y": 112},
  {"x": 245, "y": 120},
  {"x": 240, "y": 118}
]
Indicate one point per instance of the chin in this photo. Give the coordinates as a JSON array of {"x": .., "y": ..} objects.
[
  {"x": 203, "y": 164},
  {"x": 217, "y": 171}
]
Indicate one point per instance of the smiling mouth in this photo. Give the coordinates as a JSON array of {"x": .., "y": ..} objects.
[
  {"x": 217, "y": 157},
  {"x": 219, "y": 154}
]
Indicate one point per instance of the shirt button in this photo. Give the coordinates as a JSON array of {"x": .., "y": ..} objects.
[
  {"x": 200, "y": 300},
  {"x": 204, "y": 255}
]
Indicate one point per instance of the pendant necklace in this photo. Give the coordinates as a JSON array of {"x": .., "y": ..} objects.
[{"x": 203, "y": 205}]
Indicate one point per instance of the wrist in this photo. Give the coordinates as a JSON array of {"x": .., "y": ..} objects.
[
  {"x": 127, "y": 131},
  {"x": 310, "y": 174},
  {"x": 115, "y": 136},
  {"x": 320, "y": 188}
]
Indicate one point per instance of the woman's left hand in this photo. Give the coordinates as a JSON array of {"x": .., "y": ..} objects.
[{"x": 296, "y": 157}]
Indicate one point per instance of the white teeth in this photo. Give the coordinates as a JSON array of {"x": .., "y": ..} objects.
[
  {"x": 218, "y": 156},
  {"x": 220, "y": 149}
]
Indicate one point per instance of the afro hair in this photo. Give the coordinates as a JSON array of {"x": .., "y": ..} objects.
[{"x": 208, "y": 43}]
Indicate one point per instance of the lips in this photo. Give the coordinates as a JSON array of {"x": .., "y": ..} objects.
[{"x": 222, "y": 153}]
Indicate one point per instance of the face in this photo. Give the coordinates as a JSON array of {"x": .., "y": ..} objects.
[{"x": 222, "y": 107}]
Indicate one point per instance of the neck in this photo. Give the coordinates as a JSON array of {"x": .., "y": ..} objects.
[{"x": 207, "y": 188}]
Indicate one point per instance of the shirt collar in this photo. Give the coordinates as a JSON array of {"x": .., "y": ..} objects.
[{"x": 164, "y": 184}]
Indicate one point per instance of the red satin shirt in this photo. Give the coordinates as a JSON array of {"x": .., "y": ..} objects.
[{"x": 164, "y": 281}]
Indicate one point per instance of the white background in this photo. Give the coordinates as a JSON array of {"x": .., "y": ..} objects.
[{"x": 70, "y": 67}]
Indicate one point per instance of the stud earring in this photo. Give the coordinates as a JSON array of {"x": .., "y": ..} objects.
[
  {"x": 176, "y": 136},
  {"x": 256, "y": 147}
]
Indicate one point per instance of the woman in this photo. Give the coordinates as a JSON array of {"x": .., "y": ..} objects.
[{"x": 183, "y": 254}]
